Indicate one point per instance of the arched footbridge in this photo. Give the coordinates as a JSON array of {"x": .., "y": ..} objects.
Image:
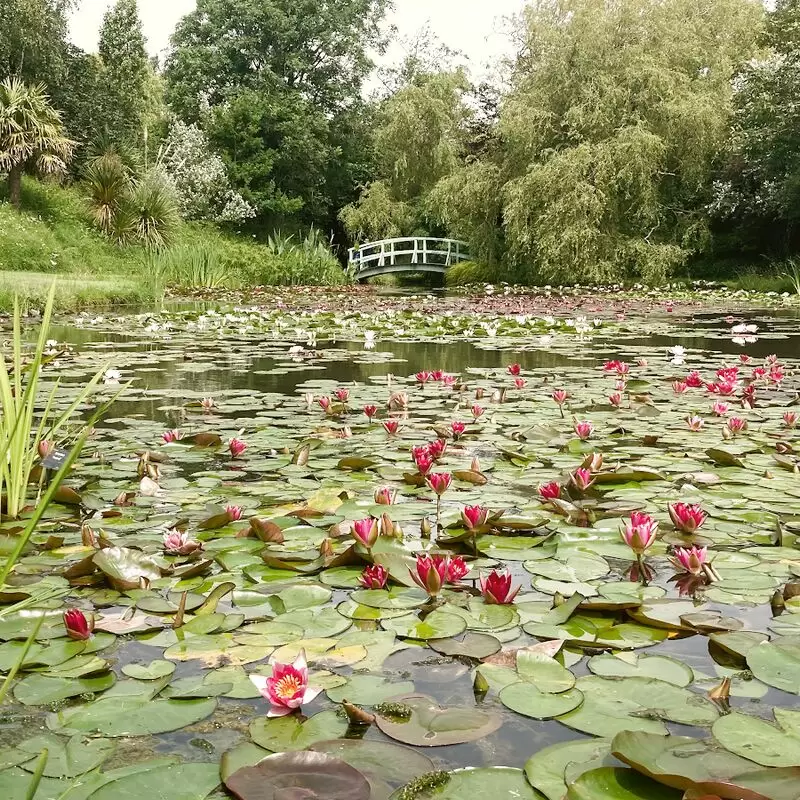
[{"x": 414, "y": 254}]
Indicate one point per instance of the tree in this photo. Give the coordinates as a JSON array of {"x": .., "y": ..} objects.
[
  {"x": 616, "y": 116},
  {"x": 758, "y": 192},
  {"x": 126, "y": 71},
  {"x": 274, "y": 85},
  {"x": 33, "y": 40},
  {"x": 419, "y": 139},
  {"x": 31, "y": 134}
]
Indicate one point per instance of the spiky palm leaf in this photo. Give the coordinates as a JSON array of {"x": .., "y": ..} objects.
[{"x": 31, "y": 129}]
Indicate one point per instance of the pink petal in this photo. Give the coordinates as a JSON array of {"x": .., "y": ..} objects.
[
  {"x": 260, "y": 682},
  {"x": 279, "y": 711},
  {"x": 310, "y": 694},
  {"x": 301, "y": 665}
]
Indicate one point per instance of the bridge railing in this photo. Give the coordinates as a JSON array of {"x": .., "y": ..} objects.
[{"x": 409, "y": 251}]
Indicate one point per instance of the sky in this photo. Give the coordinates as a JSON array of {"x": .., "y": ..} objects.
[{"x": 471, "y": 26}]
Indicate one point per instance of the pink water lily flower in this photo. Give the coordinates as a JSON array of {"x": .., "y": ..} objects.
[
  {"x": 496, "y": 588},
  {"x": 288, "y": 687},
  {"x": 457, "y": 429},
  {"x": 437, "y": 448},
  {"x": 737, "y": 425},
  {"x": 694, "y": 379},
  {"x": 456, "y": 569},
  {"x": 78, "y": 625},
  {"x": 550, "y": 491},
  {"x": 720, "y": 409},
  {"x": 423, "y": 376},
  {"x": 236, "y": 447},
  {"x": 474, "y": 516},
  {"x": 690, "y": 559},
  {"x": 374, "y": 576},
  {"x": 695, "y": 423},
  {"x": 391, "y": 426},
  {"x": 520, "y": 383},
  {"x": 366, "y": 532},
  {"x": 615, "y": 399},
  {"x": 385, "y": 496},
  {"x": 439, "y": 482},
  {"x": 584, "y": 429},
  {"x": 437, "y": 375},
  {"x": 560, "y": 396},
  {"x": 639, "y": 532},
  {"x": 342, "y": 395},
  {"x": 171, "y": 436},
  {"x": 430, "y": 573},
  {"x": 234, "y": 512},
  {"x": 370, "y": 411},
  {"x": 680, "y": 387},
  {"x": 790, "y": 419},
  {"x": 324, "y": 403},
  {"x": 478, "y": 411},
  {"x": 686, "y": 517},
  {"x": 514, "y": 370},
  {"x": 208, "y": 404},
  {"x": 448, "y": 380},
  {"x": 581, "y": 478},
  {"x": 180, "y": 543}
]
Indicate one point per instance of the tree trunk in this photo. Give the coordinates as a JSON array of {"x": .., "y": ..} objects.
[{"x": 15, "y": 186}]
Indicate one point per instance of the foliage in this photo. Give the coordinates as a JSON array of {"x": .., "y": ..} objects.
[
  {"x": 419, "y": 139},
  {"x": 610, "y": 131},
  {"x": 31, "y": 134},
  {"x": 33, "y": 43},
  {"x": 273, "y": 85},
  {"x": 148, "y": 214},
  {"x": 125, "y": 73},
  {"x": 23, "y": 427},
  {"x": 191, "y": 266},
  {"x": 467, "y": 273},
  {"x": 377, "y": 215},
  {"x": 108, "y": 183},
  {"x": 200, "y": 178},
  {"x": 757, "y": 193}
]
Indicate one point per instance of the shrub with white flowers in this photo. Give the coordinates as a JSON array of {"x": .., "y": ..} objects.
[{"x": 200, "y": 179}]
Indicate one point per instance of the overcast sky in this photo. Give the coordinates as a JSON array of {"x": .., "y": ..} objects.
[{"x": 472, "y": 26}]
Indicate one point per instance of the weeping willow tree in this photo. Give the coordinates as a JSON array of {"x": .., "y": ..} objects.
[
  {"x": 616, "y": 115},
  {"x": 418, "y": 140}
]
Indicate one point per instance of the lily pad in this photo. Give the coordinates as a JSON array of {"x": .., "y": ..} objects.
[
  {"x": 476, "y": 783},
  {"x": 281, "y": 734},
  {"x": 777, "y": 663},
  {"x": 190, "y": 781},
  {"x": 368, "y": 690},
  {"x": 546, "y": 769},
  {"x": 525, "y": 698},
  {"x": 431, "y": 725},
  {"x": 609, "y": 783},
  {"x": 759, "y": 741},
  {"x": 299, "y": 774}
]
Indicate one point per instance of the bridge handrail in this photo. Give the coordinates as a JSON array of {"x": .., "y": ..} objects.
[{"x": 426, "y": 247}]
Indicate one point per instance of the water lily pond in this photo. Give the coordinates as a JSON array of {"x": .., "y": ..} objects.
[{"x": 361, "y": 548}]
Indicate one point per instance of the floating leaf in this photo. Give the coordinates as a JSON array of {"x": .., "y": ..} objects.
[{"x": 430, "y": 725}]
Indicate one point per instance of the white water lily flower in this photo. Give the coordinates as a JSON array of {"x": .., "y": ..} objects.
[
  {"x": 111, "y": 376},
  {"x": 678, "y": 354},
  {"x": 744, "y": 328}
]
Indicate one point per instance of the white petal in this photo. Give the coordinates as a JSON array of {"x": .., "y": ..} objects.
[
  {"x": 279, "y": 711},
  {"x": 310, "y": 694}
]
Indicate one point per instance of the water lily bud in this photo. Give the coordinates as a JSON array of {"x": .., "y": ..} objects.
[
  {"x": 88, "y": 538},
  {"x": 425, "y": 528},
  {"x": 326, "y": 548},
  {"x": 480, "y": 686}
]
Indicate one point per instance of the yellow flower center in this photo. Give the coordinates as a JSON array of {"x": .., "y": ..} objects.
[{"x": 288, "y": 686}]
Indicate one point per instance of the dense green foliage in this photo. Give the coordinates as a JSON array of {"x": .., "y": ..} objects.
[
  {"x": 31, "y": 134},
  {"x": 627, "y": 139},
  {"x": 272, "y": 84}
]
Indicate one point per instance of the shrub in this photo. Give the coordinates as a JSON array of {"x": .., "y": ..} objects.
[{"x": 148, "y": 214}]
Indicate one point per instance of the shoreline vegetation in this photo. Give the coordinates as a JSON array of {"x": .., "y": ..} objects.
[{"x": 52, "y": 241}]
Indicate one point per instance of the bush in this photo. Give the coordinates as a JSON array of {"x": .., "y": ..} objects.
[
  {"x": 468, "y": 272},
  {"x": 148, "y": 214}
]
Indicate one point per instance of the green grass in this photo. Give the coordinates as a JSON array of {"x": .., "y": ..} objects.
[{"x": 53, "y": 238}]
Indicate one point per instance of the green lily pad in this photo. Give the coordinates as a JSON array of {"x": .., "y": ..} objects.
[
  {"x": 39, "y": 690},
  {"x": 66, "y": 758},
  {"x": 148, "y": 672},
  {"x": 622, "y": 665},
  {"x": 469, "y": 644},
  {"x": 190, "y": 781},
  {"x": 131, "y": 716},
  {"x": 430, "y": 725},
  {"x": 476, "y": 783},
  {"x": 368, "y": 690},
  {"x": 437, "y": 625},
  {"x": 280, "y": 734},
  {"x": 546, "y": 769},
  {"x": 544, "y": 672},
  {"x": 777, "y": 663},
  {"x": 759, "y": 741},
  {"x": 609, "y": 783},
  {"x": 525, "y": 698},
  {"x": 392, "y": 598}
]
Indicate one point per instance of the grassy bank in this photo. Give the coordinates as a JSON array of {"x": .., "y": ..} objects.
[{"x": 52, "y": 238}]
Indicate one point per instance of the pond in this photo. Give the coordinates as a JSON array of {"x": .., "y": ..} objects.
[{"x": 450, "y": 563}]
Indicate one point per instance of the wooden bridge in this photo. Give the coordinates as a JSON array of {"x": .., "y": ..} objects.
[{"x": 414, "y": 254}]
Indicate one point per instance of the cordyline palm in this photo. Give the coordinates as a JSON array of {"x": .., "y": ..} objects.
[{"x": 31, "y": 133}]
